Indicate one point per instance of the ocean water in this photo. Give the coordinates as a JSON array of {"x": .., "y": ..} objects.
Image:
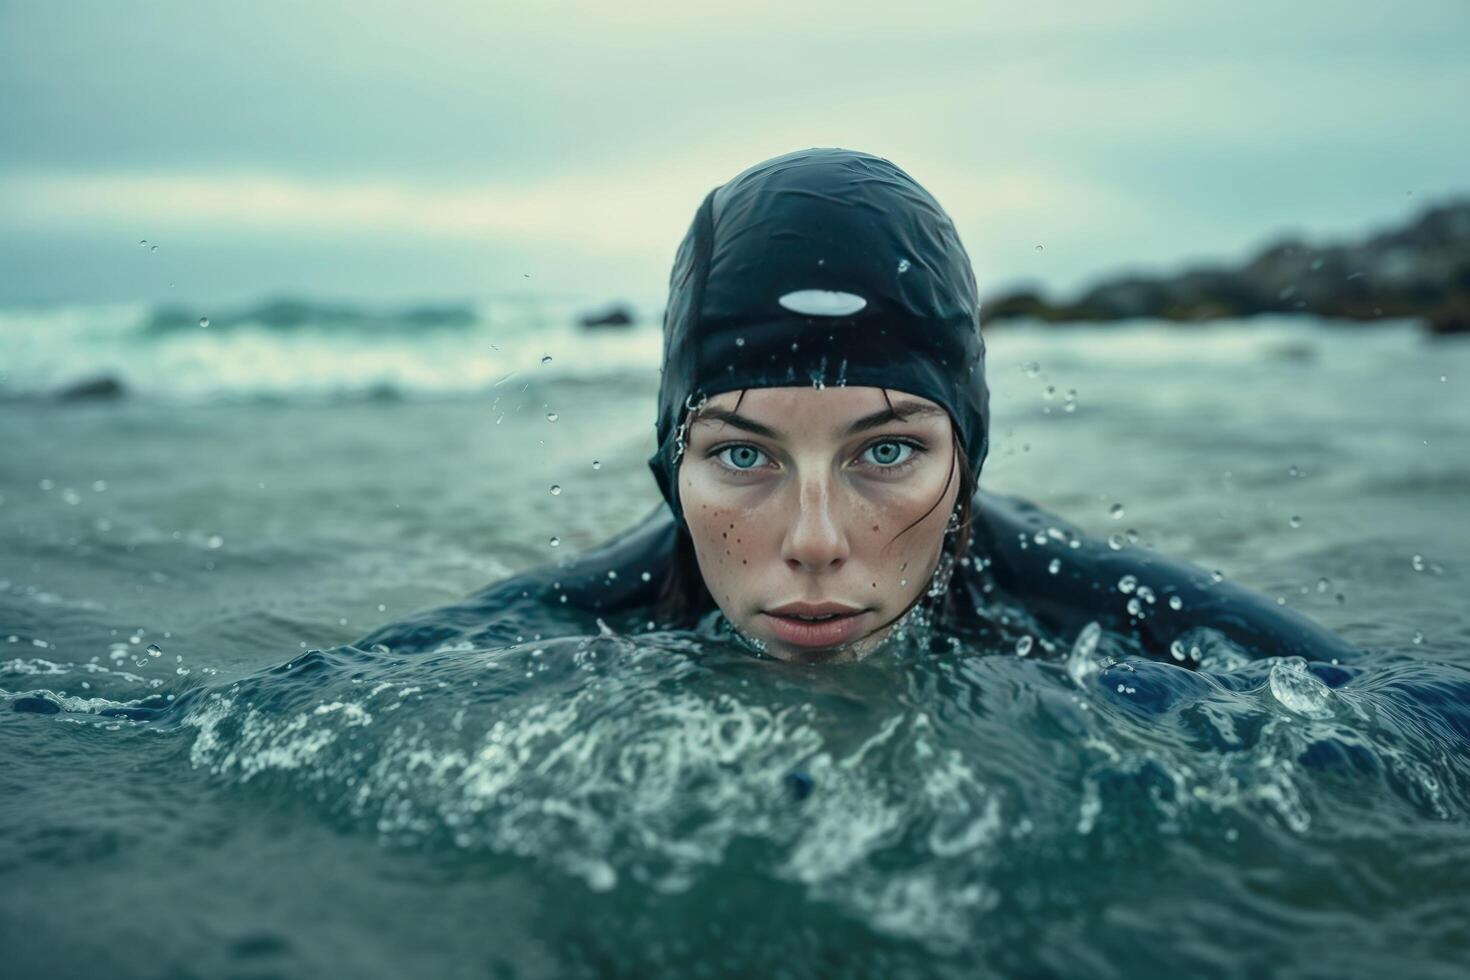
[{"x": 203, "y": 777}]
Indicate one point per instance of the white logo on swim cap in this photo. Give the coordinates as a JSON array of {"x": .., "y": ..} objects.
[{"x": 822, "y": 302}]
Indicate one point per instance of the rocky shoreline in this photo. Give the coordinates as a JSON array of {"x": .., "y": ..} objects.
[{"x": 1420, "y": 270}]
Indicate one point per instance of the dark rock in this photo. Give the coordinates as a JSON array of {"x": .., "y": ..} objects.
[
  {"x": 1450, "y": 318},
  {"x": 614, "y": 316},
  {"x": 1420, "y": 270},
  {"x": 105, "y": 388}
]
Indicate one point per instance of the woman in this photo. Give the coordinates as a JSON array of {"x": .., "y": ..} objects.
[{"x": 823, "y": 420}]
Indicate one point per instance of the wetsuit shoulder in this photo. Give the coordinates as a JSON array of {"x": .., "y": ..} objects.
[
  {"x": 1066, "y": 579},
  {"x": 617, "y": 582}
]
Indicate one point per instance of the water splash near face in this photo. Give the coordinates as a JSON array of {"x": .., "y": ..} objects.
[{"x": 907, "y": 799}]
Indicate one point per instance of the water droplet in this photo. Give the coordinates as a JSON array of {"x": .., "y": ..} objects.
[
  {"x": 98, "y": 486},
  {"x": 214, "y": 541},
  {"x": 1116, "y": 512},
  {"x": 1055, "y": 566},
  {"x": 597, "y": 464},
  {"x": 647, "y": 576},
  {"x": 552, "y": 416},
  {"x": 1080, "y": 662},
  {"x": 1297, "y": 689},
  {"x": 556, "y": 489},
  {"x": 1115, "y": 541},
  {"x": 1176, "y": 603},
  {"x": 204, "y": 321},
  {"x": 1127, "y": 584},
  {"x": 903, "y": 266},
  {"x": 546, "y": 359},
  {"x": 1295, "y": 521},
  {"x": 1418, "y": 638},
  {"x": 1049, "y": 392},
  {"x": 555, "y": 541},
  {"x": 1294, "y": 471},
  {"x": 1217, "y": 576},
  {"x": 382, "y": 607},
  {"x": 142, "y": 243},
  {"x": 1023, "y": 646},
  {"x": 739, "y": 341},
  {"x": 1032, "y": 369},
  {"x": 1176, "y": 650},
  {"x": 154, "y": 650},
  {"x": 1135, "y": 608},
  {"x": 1038, "y": 248},
  {"x": 1418, "y": 562}
]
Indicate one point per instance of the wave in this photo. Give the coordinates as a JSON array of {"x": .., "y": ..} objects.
[
  {"x": 301, "y": 350},
  {"x": 298, "y": 314},
  {"x": 908, "y": 798},
  {"x": 304, "y": 351}
]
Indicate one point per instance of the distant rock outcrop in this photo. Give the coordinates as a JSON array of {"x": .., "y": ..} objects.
[
  {"x": 103, "y": 388},
  {"x": 1422, "y": 270},
  {"x": 613, "y": 316}
]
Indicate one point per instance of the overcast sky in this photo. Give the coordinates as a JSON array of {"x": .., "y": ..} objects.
[{"x": 397, "y": 151}]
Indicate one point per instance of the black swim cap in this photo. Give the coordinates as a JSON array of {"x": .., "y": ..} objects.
[{"x": 821, "y": 267}]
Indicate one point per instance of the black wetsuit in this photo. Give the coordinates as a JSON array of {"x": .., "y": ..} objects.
[{"x": 1013, "y": 547}]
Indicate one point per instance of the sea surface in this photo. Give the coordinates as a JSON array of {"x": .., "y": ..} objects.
[{"x": 201, "y": 776}]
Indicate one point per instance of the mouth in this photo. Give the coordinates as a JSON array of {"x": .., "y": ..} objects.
[{"x": 812, "y": 625}]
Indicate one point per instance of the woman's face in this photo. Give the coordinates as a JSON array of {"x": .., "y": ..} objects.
[{"x": 818, "y": 515}]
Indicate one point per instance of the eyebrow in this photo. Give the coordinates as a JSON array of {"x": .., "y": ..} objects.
[
  {"x": 899, "y": 412},
  {"x": 738, "y": 421}
]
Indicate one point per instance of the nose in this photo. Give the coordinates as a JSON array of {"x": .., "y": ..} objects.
[{"x": 816, "y": 539}]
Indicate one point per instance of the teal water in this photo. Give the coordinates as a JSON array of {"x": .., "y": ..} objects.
[{"x": 261, "y": 799}]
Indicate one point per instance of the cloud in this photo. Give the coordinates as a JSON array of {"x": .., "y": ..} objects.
[
  {"x": 584, "y": 209},
  {"x": 640, "y": 210}
]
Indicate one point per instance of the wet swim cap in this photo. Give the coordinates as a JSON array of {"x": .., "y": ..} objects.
[{"x": 821, "y": 267}]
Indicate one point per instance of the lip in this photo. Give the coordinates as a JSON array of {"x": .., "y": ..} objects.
[{"x": 845, "y": 623}]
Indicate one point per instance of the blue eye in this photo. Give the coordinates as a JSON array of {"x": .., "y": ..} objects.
[
  {"x": 741, "y": 457},
  {"x": 888, "y": 454}
]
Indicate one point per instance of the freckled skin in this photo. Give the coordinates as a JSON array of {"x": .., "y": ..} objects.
[{"x": 817, "y": 517}]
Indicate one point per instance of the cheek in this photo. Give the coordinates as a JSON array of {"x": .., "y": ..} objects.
[
  {"x": 900, "y": 561},
  {"x": 723, "y": 540}
]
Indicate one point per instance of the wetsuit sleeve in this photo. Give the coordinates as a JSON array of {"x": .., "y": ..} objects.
[
  {"x": 1019, "y": 544},
  {"x": 617, "y": 582}
]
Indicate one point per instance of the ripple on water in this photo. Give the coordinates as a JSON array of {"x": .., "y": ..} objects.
[{"x": 909, "y": 795}]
